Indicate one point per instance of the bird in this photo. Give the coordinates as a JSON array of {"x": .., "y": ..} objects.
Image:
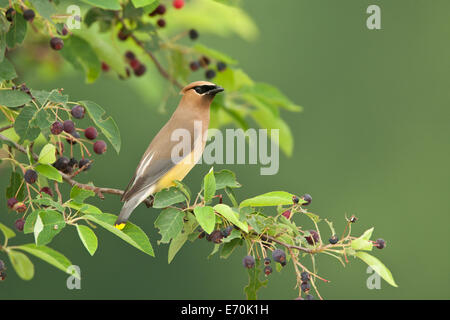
[{"x": 158, "y": 168}]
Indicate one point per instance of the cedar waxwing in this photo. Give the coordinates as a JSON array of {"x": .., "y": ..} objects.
[{"x": 158, "y": 167}]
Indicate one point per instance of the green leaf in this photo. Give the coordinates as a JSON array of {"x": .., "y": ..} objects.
[
  {"x": 271, "y": 95},
  {"x": 130, "y": 233},
  {"x": 183, "y": 188},
  {"x": 231, "y": 196},
  {"x": 7, "y": 71},
  {"x": 104, "y": 4},
  {"x": 48, "y": 255},
  {"x": 142, "y": 3},
  {"x": 168, "y": 197},
  {"x": 44, "y": 8},
  {"x": 226, "y": 178},
  {"x": 47, "y": 201},
  {"x": 274, "y": 198},
  {"x": 83, "y": 207},
  {"x": 17, "y": 31},
  {"x": 377, "y": 266},
  {"x": 49, "y": 172},
  {"x": 88, "y": 238},
  {"x": 169, "y": 223},
  {"x": 22, "y": 264},
  {"x": 107, "y": 125},
  {"x": 211, "y": 53},
  {"x": 209, "y": 185},
  {"x": 229, "y": 247},
  {"x": 48, "y": 224},
  {"x": 13, "y": 98},
  {"x": 30, "y": 221},
  {"x": 79, "y": 195},
  {"x": 15, "y": 182},
  {"x": 47, "y": 154},
  {"x": 177, "y": 243},
  {"x": 363, "y": 243},
  {"x": 80, "y": 54},
  {"x": 206, "y": 218},
  {"x": 7, "y": 232},
  {"x": 231, "y": 216},
  {"x": 254, "y": 284},
  {"x": 24, "y": 124}
]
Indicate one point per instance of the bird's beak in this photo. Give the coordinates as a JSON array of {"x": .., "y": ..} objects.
[{"x": 214, "y": 91}]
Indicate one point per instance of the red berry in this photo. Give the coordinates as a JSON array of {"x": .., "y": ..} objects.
[
  {"x": 134, "y": 64},
  {"x": 47, "y": 190},
  {"x": 90, "y": 133},
  {"x": 100, "y": 147},
  {"x": 56, "y": 43},
  {"x": 313, "y": 238},
  {"x": 64, "y": 31},
  {"x": 267, "y": 270},
  {"x": 130, "y": 55},
  {"x": 161, "y": 9},
  {"x": 2, "y": 276},
  {"x": 178, "y": 4},
  {"x": 11, "y": 202},
  {"x": 19, "y": 224},
  {"x": 20, "y": 207},
  {"x": 140, "y": 70},
  {"x": 287, "y": 214},
  {"x": 56, "y": 128},
  {"x": 105, "y": 67}
]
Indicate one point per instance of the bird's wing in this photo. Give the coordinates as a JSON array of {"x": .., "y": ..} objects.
[{"x": 155, "y": 163}]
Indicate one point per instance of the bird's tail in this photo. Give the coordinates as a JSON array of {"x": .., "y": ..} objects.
[{"x": 125, "y": 213}]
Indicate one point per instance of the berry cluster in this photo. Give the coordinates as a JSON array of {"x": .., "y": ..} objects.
[
  {"x": 138, "y": 68},
  {"x": 305, "y": 286},
  {"x": 205, "y": 62},
  {"x": 217, "y": 235}
]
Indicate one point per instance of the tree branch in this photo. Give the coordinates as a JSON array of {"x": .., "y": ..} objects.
[{"x": 67, "y": 178}]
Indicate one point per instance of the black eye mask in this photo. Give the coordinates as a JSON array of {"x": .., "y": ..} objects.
[{"x": 203, "y": 89}]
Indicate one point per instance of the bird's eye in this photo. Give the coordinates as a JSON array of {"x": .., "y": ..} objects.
[{"x": 199, "y": 90}]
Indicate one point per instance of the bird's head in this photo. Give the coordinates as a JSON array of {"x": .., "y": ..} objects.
[{"x": 201, "y": 91}]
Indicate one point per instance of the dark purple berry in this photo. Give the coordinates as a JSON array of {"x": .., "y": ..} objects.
[
  {"x": 215, "y": 236},
  {"x": 305, "y": 276},
  {"x": 209, "y": 74},
  {"x": 100, "y": 147},
  {"x": 84, "y": 162},
  {"x": 19, "y": 224},
  {"x": 10, "y": 13},
  {"x": 161, "y": 9},
  {"x": 73, "y": 140},
  {"x": 221, "y": 66},
  {"x": 295, "y": 199},
  {"x": 56, "y": 43},
  {"x": 56, "y": 128},
  {"x": 69, "y": 126},
  {"x": 193, "y": 34},
  {"x": 305, "y": 286},
  {"x": 267, "y": 270},
  {"x": 161, "y": 23},
  {"x": 64, "y": 31},
  {"x": 61, "y": 163},
  {"x": 47, "y": 190},
  {"x": 278, "y": 255},
  {"x": 130, "y": 55},
  {"x": 306, "y": 197},
  {"x": 2, "y": 276},
  {"x": 30, "y": 176},
  {"x": 140, "y": 70},
  {"x": 201, "y": 235},
  {"x": 353, "y": 219},
  {"x": 194, "y": 65},
  {"x": 380, "y": 243},
  {"x": 227, "y": 231},
  {"x": 78, "y": 112},
  {"x": 73, "y": 162},
  {"x": 248, "y": 262},
  {"x": 267, "y": 261},
  {"x": 90, "y": 133},
  {"x": 11, "y": 202},
  {"x": 2, "y": 265},
  {"x": 334, "y": 239},
  {"x": 29, "y": 15},
  {"x": 123, "y": 34},
  {"x": 313, "y": 238}
]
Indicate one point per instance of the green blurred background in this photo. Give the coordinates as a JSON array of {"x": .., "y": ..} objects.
[{"x": 372, "y": 141}]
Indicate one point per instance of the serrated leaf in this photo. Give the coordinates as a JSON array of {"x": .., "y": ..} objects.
[
  {"x": 15, "y": 182},
  {"x": 183, "y": 188},
  {"x": 48, "y": 255},
  {"x": 169, "y": 223},
  {"x": 47, "y": 154},
  {"x": 177, "y": 243},
  {"x": 226, "y": 178},
  {"x": 17, "y": 31},
  {"x": 377, "y": 266},
  {"x": 30, "y": 222},
  {"x": 228, "y": 248},
  {"x": 363, "y": 243},
  {"x": 254, "y": 284},
  {"x": 49, "y": 172},
  {"x": 130, "y": 233},
  {"x": 88, "y": 238},
  {"x": 104, "y": 4},
  {"x": 44, "y": 8},
  {"x": 83, "y": 207},
  {"x": 143, "y": 3},
  {"x": 168, "y": 197},
  {"x": 206, "y": 218},
  {"x": 209, "y": 185},
  {"x": 13, "y": 98},
  {"x": 47, "y": 201},
  {"x": 231, "y": 216},
  {"x": 79, "y": 195},
  {"x": 48, "y": 224},
  {"x": 107, "y": 125},
  {"x": 7, "y": 71},
  {"x": 22, "y": 264},
  {"x": 24, "y": 125},
  {"x": 274, "y": 198}
]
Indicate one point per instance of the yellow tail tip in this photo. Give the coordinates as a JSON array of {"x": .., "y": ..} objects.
[{"x": 120, "y": 226}]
